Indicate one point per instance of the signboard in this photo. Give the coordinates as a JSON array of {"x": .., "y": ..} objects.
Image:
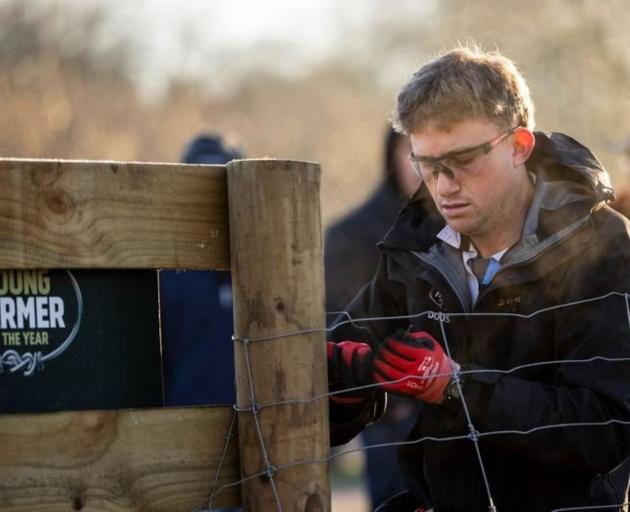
[{"x": 85, "y": 339}]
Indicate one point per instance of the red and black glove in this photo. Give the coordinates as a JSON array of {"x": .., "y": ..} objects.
[
  {"x": 418, "y": 359},
  {"x": 349, "y": 366}
]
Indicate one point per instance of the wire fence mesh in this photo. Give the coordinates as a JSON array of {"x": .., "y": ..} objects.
[{"x": 473, "y": 435}]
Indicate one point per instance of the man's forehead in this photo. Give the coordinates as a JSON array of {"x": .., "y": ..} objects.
[
  {"x": 435, "y": 139},
  {"x": 464, "y": 125}
]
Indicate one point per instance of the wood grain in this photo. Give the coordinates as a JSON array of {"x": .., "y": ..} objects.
[
  {"x": 278, "y": 283},
  {"x": 82, "y": 214},
  {"x": 159, "y": 460}
]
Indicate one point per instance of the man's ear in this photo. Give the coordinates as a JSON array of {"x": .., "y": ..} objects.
[{"x": 523, "y": 142}]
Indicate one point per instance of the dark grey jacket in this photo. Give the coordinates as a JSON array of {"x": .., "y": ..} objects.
[{"x": 574, "y": 249}]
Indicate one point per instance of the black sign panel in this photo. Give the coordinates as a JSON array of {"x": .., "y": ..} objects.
[{"x": 72, "y": 340}]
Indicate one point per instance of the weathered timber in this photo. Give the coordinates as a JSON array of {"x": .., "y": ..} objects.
[
  {"x": 81, "y": 214},
  {"x": 277, "y": 274},
  {"x": 158, "y": 460}
]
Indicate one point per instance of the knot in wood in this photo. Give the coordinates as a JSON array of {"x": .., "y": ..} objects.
[
  {"x": 77, "y": 503},
  {"x": 314, "y": 503},
  {"x": 45, "y": 176},
  {"x": 59, "y": 206}
]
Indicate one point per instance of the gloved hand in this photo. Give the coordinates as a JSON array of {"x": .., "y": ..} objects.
[
  {"x": 349, "y": 366},
  {"x": 417, "y": 358}
]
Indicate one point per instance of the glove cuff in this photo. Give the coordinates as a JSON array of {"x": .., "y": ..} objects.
[{"x": 437, "y": 393}]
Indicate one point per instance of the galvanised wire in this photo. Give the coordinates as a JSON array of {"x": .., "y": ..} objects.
[{"x": 472, "y": 435}]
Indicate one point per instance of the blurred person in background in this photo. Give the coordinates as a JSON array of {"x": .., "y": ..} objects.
[
  {"x": 492, "y": 305},
  {"x": 346, "y": 273},
  {"x": 365, "y": 226},
  {"x": 196, "y": 310}
]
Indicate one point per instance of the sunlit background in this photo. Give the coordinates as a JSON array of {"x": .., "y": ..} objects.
[
  {"x": 308, "y": 80},
  {"x": 290, "y": 79}
]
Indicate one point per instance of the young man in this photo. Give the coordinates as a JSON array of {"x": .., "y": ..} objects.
[{"x": 492, "y": 306}]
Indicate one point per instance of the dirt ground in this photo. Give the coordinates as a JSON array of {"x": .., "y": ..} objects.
[{"x": 349, "y": 499}]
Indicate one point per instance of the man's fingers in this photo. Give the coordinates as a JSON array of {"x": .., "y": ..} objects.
[
  {"x": 385, "y": 372},
  {"x": 395, "y": 360},
  {"x": 402, "y": 349}
]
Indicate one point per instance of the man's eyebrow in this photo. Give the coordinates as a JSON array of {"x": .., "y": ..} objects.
[{"x": 449, "y": 154}]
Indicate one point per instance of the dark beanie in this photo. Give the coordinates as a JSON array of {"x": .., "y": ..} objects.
[{"x": 209, "y": 149}]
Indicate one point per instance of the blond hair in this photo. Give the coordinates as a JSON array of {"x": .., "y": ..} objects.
[{"x": 464, "y": 83}]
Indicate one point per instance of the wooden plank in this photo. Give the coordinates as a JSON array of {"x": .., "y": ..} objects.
[
  {"x": 278, "y": 284},
  {"x": 82, "y": 214},
  {"x": 158, "y": 460}
]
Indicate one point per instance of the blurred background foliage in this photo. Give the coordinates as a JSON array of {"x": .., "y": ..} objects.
[{"x": 70, "y": 86}]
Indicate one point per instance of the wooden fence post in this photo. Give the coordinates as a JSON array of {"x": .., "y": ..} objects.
[{"x": 278, "y": 283}]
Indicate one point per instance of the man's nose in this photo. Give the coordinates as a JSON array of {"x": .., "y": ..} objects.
[{"x": 445, "y": 182}]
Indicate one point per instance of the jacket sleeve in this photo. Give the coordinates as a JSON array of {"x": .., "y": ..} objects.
[
  {"x": 504, "y": 407},
  {"x": 347, "y": 421},
  {"x": 367, "y": 317},
  {"x": 356, "y": 324}
]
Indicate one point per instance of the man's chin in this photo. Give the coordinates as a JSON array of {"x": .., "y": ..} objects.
[{"x": 463, "y": 227}]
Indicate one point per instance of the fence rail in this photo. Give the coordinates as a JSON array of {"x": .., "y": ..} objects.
[
  {"x": 82, "y": 214},
  {"x": 112, "y": 215}
]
